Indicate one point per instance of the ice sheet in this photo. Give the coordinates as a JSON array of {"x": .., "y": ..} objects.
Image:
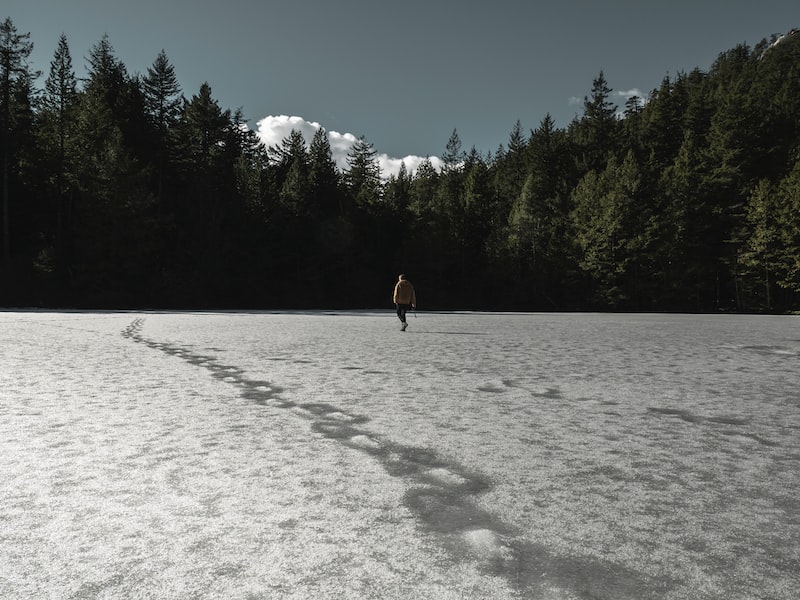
[{"x": 300, "y": 455}]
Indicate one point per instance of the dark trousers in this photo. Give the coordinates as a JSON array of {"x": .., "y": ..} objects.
[{"x": 401, "y": 311}]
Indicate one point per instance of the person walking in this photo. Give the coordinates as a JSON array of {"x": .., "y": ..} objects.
[{"x": 404, "y": 298}]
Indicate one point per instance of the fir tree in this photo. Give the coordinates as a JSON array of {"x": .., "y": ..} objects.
[
  {"x": 15, "y": 106},
  {"x": 162, "y": 103},
  {"x": 363, "y": 175},
  {"x": 57, "y": 132},
  {"x": 323, "y": 176}
]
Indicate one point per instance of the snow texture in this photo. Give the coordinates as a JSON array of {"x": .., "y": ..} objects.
[{"x": 330, "y": 455}]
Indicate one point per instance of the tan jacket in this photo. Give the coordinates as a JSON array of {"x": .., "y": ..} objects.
[{"x": 404, "y": 293}]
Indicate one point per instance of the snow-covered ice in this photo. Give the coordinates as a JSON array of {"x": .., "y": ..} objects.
[{"x": 330, "y": 455}]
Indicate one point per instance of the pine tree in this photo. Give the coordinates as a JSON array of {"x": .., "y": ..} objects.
[
  {"x": 397, "y": 192},
  {"x": 363, "y": 175},
  {"x": 105, "y": 114},
  {"x": 115, "y": 233},
  {"x": 423, "y": 188},
  {"x": 212, "y": 154},
  {"x": 57, "y": 132},
  {"x": 762, "y": 249},
  {"x": 477, "y": 192},
  {"x": 789, "y": 229},
  {"x": 162, "y": 94},
  {"x": 106, "y": 81},
  {"x": 15, "y": 110},
  {"x": 296, "y": 190},
  {"x": 663, "y": 122},
  {"x": 59, "y": 100},
  {"x": 453, "y": 157},
  {"x": 539, "y": 213},
  {"x": 605, "y": 220},
  {"x": 323, "y": 176},
  {"x": 202, "y": 130},
  {"x": 200, "y": 143},
  {"x": 596, "y": 131},
  {"x": 290, "y": 174},
  {"x": 162, "y": 103},
  {"x": 251, "y": 164},
  {"x": 511, "y": 169},
  {"x": 448, "y": 200}
]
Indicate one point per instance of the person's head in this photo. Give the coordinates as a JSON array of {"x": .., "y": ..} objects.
[{"x": 402, "y": 277}]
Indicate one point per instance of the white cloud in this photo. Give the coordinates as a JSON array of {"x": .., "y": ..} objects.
[
  {"x": 628, "y": 93},
  {"x": 341, "y": 143},
  {"x": 575, "y": 101},
  {"x": 391, "y": 166},
  {"x": 273, "y": 129}
]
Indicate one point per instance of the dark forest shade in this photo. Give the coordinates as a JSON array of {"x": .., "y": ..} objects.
[{"x": 121, "y": 192}]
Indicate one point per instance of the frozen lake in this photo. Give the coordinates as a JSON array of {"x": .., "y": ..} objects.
[{"x": 329, "y": 455}]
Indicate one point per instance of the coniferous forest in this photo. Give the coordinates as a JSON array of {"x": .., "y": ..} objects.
[{"x": 122, "y": 190}]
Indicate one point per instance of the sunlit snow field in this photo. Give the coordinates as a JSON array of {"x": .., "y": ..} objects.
[{"x": 330, "y": 455}]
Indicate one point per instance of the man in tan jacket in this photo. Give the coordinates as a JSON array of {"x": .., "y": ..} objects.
[{"x": 404, "y": 297}]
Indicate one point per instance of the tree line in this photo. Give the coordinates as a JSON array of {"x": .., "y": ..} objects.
[{"x": 118, "y": 190}]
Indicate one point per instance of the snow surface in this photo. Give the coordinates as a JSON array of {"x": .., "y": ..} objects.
[{"x": 330, "y": 455}]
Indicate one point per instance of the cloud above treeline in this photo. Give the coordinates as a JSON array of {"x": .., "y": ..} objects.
[
  {"x": 273, "y": 129},
  {"x": 621, "y": 95}
]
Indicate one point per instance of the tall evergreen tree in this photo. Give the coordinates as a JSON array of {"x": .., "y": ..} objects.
[
  {"x": 538, "y": 237},
  {"x": 448, "y": 202},
  {"x": 251, "y": 165},
  {"x": 290, "y": 174},
  {"x": 478, "y": 208},
  {"x": 58, "y": 103},
  {"x": 115, "y": 237},
  {"x": 295, "y": 190},
  {"x": 106, "y": 84},
  {"x": 664, "y": 121},
  {"x": 106, "y": 112},
  {"x": 199, "y": 141},
  {"x": 423, "y": 188},
  {"x": 363, "y": 175},
  {"x": 161, "y": 94},
  {"x": 15, "y": 108},
  {"x": 453, "y": 157},
  {"x": 511, "y": 169},
  {"x": 397, "y": 192},
  {"x": 206, "y": 149},
  {"x": 162, "y": 103},
  {"x": 324, "y": 179},
  {"x": 606, "y": 228},
  {"x": 57, "y": 132},
  {"x": 789, "y": 229},
  {"x": 762, "y": 249},
  {"x": 201, "y": 131},
  {"x": 595, "y": 131}
]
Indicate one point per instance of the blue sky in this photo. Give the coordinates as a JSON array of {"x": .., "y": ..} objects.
[{"x": 405, "y": 74}]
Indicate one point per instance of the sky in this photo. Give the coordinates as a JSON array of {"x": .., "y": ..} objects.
[{"x": 405, "y": 75}]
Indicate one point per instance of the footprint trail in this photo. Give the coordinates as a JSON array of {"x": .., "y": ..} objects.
[{"x": 440, "y": 494}]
